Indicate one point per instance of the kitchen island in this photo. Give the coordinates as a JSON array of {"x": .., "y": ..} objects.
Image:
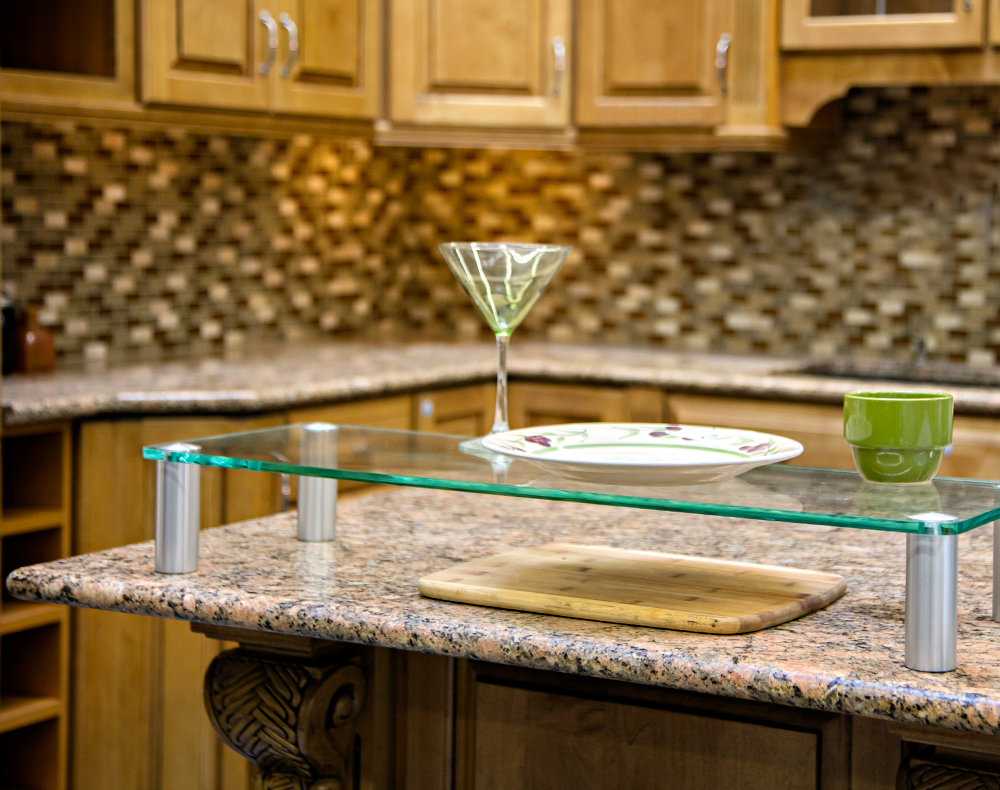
[{"x": 437, "y": 694}]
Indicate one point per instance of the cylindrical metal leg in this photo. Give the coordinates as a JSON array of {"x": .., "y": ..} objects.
[
  {"x": 931, "y": 602},
  {"x": 996, "y": 571},
  {"x": 318, "y": 495},
  {"x": 178, "y": 492}
]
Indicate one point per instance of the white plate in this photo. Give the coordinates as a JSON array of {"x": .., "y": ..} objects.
[{"x": 628, "y": 453}]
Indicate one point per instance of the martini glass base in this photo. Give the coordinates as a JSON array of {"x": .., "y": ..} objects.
[
  {"x": 477, "y": 448},
  {"x": 500, "y": 463}
]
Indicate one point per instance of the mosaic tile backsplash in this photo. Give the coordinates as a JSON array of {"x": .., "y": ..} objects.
[{"x": 139, "y": 245}]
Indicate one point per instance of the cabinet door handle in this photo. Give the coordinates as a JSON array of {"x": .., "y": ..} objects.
[
  {"x": 272, "y": 41},
  {"x": 558, "y": 64},
  {"x": 293, "y": 44},
  {"x": 967, "y": 5},
  {"x": 722, "y": 62}
]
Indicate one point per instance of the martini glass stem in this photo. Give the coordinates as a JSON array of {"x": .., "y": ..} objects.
[{"x": 500, "y": 415}]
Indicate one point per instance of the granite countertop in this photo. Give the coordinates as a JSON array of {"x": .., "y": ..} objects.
[
  {"x": 287, "y": 377},
  {"x": 362, "y": 588}
]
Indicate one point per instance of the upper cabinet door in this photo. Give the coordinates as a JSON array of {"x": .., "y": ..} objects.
[
  {"x": 481, "y": 62},
  {"x": 335, "y": 69},
  {"x": 644, "y": 63},
  {"x": 881, "y": 24},
  {"x": 207, "y": 52}
]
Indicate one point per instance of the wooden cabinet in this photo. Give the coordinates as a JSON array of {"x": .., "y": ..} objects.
[
  {"x": 205, "y": 52},
  {"x": 550, "y": 404},
  {"x": 137, "y": 717},
  {"x": 68, "y": 53},
  {"x": 650, "y": 63},
  {"x": 463, "y": 411},
  {"x": 480, "y": 63},
  {"x": 975, "y": 451},
  {"x": 34, "y": 637},
  {"x": 476, "y": 726},
  {"x": 394, "y": 413},
  {"x": 819, "y": 428},
  {"x": 337, "y": 68},
  {"x": 881, "y": 24},
  {"x": 318, "y": 57},
  {"x": 708, "y": 64}
]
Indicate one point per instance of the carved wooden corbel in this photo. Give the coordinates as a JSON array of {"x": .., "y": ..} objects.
[{"x": 294, "y": 717}]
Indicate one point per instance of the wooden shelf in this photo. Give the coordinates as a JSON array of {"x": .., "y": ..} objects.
[
  {"x": 22, "y": 615},
  {"x": 17, "y": 712},
  {"x": 16, "y": 521}
]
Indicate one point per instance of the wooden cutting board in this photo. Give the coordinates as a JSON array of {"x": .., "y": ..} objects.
[{"x": 637, "y": 588}]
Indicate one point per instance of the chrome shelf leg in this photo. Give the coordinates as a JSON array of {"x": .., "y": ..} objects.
[
  {"x": 318, "y": 495},
  {"x": 931, "y": 602},
  {"x": 178, "y": 501}
]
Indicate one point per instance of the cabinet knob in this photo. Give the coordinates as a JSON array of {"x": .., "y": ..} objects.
[
  {"x": 426, "y": 408},
  {"x": 272, "y": 40},
  {"x": 293, "y": 44}
]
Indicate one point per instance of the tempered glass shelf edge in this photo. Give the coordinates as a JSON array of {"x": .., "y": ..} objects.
[{"x": 954, "y": 527}]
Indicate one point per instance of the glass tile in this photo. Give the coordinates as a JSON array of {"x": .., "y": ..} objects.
[{"x": 428, "y": 460}]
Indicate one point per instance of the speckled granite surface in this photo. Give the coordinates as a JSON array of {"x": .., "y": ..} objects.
[
  {"x": 281, "y": 378},
  {"x": 363, "y": 588}
]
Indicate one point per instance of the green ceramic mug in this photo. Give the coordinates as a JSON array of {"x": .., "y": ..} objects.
[{"x": 898, "y": 437}]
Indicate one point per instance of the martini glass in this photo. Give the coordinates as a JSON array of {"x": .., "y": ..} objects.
[{"x": 504, "y": 281}]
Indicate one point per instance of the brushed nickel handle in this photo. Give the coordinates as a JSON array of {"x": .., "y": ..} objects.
[
  {"x": 722, "y": 62},
  {"x": 272, "y": 41},
  {"x": 558, "y": 64},
  {"x": 293, "y": 44}
]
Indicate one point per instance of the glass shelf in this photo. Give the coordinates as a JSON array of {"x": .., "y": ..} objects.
[{"x": 947, "y": 506}]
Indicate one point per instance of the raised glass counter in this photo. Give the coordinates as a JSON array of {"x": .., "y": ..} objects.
[
  {"x": 932, "y": 514},
  {"x": 427, "y": 460}
]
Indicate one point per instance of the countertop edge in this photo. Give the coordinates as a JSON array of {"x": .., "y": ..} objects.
[
  {"x": 816, "y": 691},
  {"x": 798, "y": 389}
]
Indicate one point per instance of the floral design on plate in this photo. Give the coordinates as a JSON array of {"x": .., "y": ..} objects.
[{"x": 643, "y": 453}]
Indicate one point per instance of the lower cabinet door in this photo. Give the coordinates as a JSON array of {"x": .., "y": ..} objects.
[{"x": 531, "y": 737}]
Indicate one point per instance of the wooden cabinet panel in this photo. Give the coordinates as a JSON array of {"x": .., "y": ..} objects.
[
  {"x": 808, "y": 25},
  {"x": 463, "y": 411},
  {"x": 204, "y": 52},
  {"x": 212, "y": 34},
  {"x": 650, "y": 63},
  {"x": 395, "y": 413},
  {"x": 819, "y": 428},
  {"x": 336, "y": 71},
  {"x": 480, "y": 63},
  {"x": 391, "y": 412},
  {"x": 427, "y": 704},
  {"x": 137, "y": 715},
  {"x": 71, "y": 73},
  {"x": 976, "y": 449},
  {"x": 532, "y": 739},
  {"x": 551, "y": 404},
  {"x": 517, "y": 729}
]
